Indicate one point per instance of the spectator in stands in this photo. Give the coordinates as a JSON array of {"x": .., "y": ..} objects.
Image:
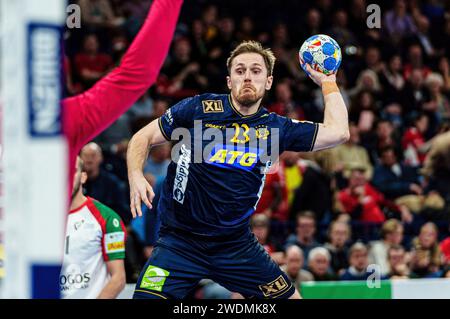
[
  {"x": 90, "y": 64},
  {"x": 304, "y": 234},
  {"x": 246, "y": 30},
  {"x": 339, "y": 234},
  {"x": 340, "y": 30},
  {"x": 350, "y": 153},
  {"x": 426, "y": 258},
  {"x": 413, "y": 141},
  {"x": 182, "y": 76},
  {"x": 384, "y": 135},
  {"x": 294, "y": 266},
  {"x": 415, "y": 62},
  {"x": 260, "y": 225},
  {"x": 102, "y": 185},
  {"x": 398, "y": 24},
  {"x": 391, "y": 234},
  {"x": 393, "y": 178},
  {"x": 284, "y": 103},
  {"x": 314, "y": 193},
  {"x": 158, "y": 161},
  {"x": 363, "y": 111},
  {"x": 197, "y": 40},
  {"x": 392, "y": 80},
  {"x": 358, "y": 260},
  {"x": 312, "y": 24},
  {"x": 210, "y": 18},
  {"x": 319, "y": 264},
  {"x": 219, "y": 48},
  {"x": 423, "y": 36},
  {"x": 373, "y": 60},
  {"x": 360, "y": 200},
  {"x": 398, "y": 264},
  {"x": 438, "y": 105},
  {"x": 278, "y": 192},
  {"x": 99, "y": 13},
  {"x": 135, "y": 10},
  {"x": 414, "y": 94}
]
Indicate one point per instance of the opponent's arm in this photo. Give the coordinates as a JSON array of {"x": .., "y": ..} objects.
[
  {"x": 117, "y": 281},
  {"x": 137, "y": 154},
  {"x": 88, "y": 114},
  {"x": 334, "y": 129}
]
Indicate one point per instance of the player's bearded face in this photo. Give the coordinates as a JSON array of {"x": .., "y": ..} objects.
[{"x": 248, "y": 79}]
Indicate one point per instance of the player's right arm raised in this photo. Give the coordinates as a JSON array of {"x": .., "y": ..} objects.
[
  {"x": 137, "y": 154},
  {"x": 334, "y": 129}
]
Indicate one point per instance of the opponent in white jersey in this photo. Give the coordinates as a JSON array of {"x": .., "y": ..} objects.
[{"x": 93, "y": 264}]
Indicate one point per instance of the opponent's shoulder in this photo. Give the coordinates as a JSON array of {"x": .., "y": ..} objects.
[{"x": 107, "y": 216}]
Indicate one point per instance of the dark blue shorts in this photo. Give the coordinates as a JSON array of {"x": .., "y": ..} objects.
[{"x": 241, "y": 264}]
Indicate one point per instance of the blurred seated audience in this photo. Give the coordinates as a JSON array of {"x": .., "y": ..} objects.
[
  {"x": 294, "y": 266},
  {"x": 339, "y": 234},
  {"x": 319, "y": 261},
  {"x": 391, "y": 234},
  {"x": 305, "y": 231}
]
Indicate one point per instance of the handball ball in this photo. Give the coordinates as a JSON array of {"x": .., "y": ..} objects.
[{"x": 322, "y": 53}]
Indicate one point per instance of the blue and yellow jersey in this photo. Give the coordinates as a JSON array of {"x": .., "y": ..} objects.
[{"x": 214, "y": 182}]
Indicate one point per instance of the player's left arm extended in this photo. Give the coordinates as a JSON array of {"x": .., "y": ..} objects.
[
  {"x": 334, "y": 129},
  {"x": 88, "y": 114},
  {"x": 117, "y": 282}
]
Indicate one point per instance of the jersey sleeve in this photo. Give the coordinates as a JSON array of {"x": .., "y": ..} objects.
[
  {"x": 181, "y": 115},
  {"x": 298, "y": 136},
  {"x": 114, "y": 237}
]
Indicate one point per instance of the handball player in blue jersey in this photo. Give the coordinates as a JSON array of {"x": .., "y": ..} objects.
[{"x": 225, "y": 145}]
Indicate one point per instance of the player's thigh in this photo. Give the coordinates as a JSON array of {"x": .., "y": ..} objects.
[
  {"x": 250, "y": 271},
  {"x": 168, "y": 274}
]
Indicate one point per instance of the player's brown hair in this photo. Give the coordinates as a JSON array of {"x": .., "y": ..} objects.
[{"x": 253, "y": 47}]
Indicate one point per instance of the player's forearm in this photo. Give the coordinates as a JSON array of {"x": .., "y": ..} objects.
[
  {"x": 115, "y": 285},
  {"x": 137, "y": 153},
  {"x": 335, "y": 114}
]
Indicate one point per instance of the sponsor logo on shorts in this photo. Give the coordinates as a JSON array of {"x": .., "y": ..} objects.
[
  {"x": 274, "y": 288},
  {"x": 212, "y": 106},
  {"x": 182, "y": 175},
  {"x": 115, "y": 242},
  {"x": 154, "y": 278}
]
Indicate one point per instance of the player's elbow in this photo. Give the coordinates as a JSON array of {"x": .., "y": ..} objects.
[{"x": 344, "y": 136}]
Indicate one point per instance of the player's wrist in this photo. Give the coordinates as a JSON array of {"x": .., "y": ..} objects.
[{"x": 329, "y": 86}]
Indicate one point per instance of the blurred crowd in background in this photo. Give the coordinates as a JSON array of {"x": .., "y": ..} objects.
[{"x": 382, "y": 198}]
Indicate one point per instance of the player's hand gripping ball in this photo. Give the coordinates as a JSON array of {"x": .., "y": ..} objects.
[{"x": 322, "y": 53}]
